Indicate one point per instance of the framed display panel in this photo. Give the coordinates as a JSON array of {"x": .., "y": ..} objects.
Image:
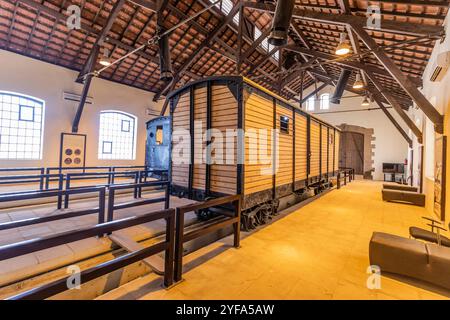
[
  {"x": 72, "y": 150},
  {"x": 440, "y": 165}
]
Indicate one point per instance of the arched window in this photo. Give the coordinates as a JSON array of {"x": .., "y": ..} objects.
[
  {"x": 117, "y": 136},
  {"x": 325, "y": 101},
  {"x": 21, "y": 126},
  {"x": 310, "y": 103}
]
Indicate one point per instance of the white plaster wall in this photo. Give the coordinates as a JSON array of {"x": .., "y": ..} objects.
[
  {"x": 390, "y": 146},
  {"x": 48, "y": 82},
  {"x": 438, "y": 93}
]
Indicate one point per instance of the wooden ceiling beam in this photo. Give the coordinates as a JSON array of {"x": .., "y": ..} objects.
[
  {"x": 397, "y": 107},
  {"x": 346, "y": 63},
  {"x": 403, "y": 100},
  {"x": 210, "y": 37},
  {"x": 102, "y": 35},
  {"x": 401, "y": 78},
  {"x": 393, "y": 26}
]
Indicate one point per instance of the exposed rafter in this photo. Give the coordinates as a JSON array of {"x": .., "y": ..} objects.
[
  {"x": 394, "y": 103},
  {"x": 346, "y": 63},
  {"x": 393, "y": 26},
  {"x": 402, "y": 80}
]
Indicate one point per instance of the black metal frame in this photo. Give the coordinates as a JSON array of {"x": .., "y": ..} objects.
[
  {"x": 208, "y": 139},
  {"x": 41, "y": 178},
  {"x": 93, "y": 175},
  {"x": 111, "y": 196},
  {"x": 50, "y": 289},
  {"x": 56, "y": 193},
  {"x": 181, "y": 237},
  {"x": 347, "y": 173},
  {"x": 192, "y": 141}
]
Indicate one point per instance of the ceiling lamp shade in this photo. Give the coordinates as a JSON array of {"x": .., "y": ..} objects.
[
  {"x": 343, "y": 48},
  {"x": 105, "y": 60},
  {"x": 365, "y": 102},
  {"x": 281, "y": 22},
  {"x": 358, "y": 84}
]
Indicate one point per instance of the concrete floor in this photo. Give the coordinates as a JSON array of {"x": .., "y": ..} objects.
[{"x": 319, "y": 251}]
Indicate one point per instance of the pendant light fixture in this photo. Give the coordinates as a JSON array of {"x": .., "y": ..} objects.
[
  {"x": 343, "y": 48},
  {"x": 358, "y": 84},
  {"x": 365, "y": 102},
  {"x": 105, "y": 59}
]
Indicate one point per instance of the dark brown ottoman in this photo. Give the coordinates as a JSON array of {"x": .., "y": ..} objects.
[
  {"x": 411, "y": 258},
  {"x": 415, "y": 198},
  {"x": 401, "y": 187}
]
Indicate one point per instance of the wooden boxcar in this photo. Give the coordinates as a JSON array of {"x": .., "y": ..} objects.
[{"x": 308, "y": 148}]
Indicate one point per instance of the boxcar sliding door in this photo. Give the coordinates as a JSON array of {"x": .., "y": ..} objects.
[
  {"x": 284, "y": 124},
  {"x": 224, "y": 115},
  {"x": 258, "y": 142},
  {"x": 324, "y": 151},
  {"x": 331, "y": 135},
  {"x": 314, "y": 160},
  {"x": 301, "y": 148},
  {"x": 337, "y": 141},
  {"x": 181, "y": 123}
]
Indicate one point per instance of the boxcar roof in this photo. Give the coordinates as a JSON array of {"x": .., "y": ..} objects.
[{"x": 241, "y": 79}]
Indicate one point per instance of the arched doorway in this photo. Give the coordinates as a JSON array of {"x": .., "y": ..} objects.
[{"x": 352, "y": 151}]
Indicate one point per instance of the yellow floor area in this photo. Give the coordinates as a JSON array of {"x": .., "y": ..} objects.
[{"x": 319, "y": 251}]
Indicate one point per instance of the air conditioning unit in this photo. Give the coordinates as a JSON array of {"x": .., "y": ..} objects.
[
  {"x": 75, "y": 97},
  {"x": 440, "y": 67}
]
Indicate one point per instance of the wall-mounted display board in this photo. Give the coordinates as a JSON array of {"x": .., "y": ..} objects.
[
  {"x": 440, "y": 162},
  {"x": 72, "y": 150}
]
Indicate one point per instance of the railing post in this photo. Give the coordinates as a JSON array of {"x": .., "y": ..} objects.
[
  {"x": 237, "y": 225},
  {"x": 167, "y": 196},
  {"x": 339, "y": 180},
  {"x": 66, "y": 196},
  {"x": 110, "y": 205},
  {"x": 169, "y": 254},
  {"x": 136, "y": 181},
  {"x": 101, "y": 205},
  {"x": 60, "y": 189},
  {"x": 41, "y": 179},
  {"x": 179, "y": 234},
  {"x": 109, "y": 175},
  {"x": 47, "y": 172},
  {"x": 113, "y": 175}
]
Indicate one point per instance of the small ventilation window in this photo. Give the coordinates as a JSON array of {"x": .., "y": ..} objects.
[
  {"x": 284, "y": 124},
  {"x": 159, "y": 135}
]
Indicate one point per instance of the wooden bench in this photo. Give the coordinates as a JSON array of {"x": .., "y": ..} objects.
[
  {"x": 401, "y": 187},
  {"x": 414, "y": 198}
]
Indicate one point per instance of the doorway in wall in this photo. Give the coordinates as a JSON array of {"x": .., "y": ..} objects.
[
  {"x": 357, "y": 149},
  {"x": 352, "y": 151}
]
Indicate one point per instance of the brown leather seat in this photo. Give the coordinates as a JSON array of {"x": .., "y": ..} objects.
[
  {"x": 424, "y": 261},
  {"x": 422, "y": 234},
  {"x": 400, "y": 187},
  {"x": 415, "y": 198}
]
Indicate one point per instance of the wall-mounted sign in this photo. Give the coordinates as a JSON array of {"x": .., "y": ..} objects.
[
  {"x": 440, "y": 168},
  {"x": 72, "y": 150}
]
